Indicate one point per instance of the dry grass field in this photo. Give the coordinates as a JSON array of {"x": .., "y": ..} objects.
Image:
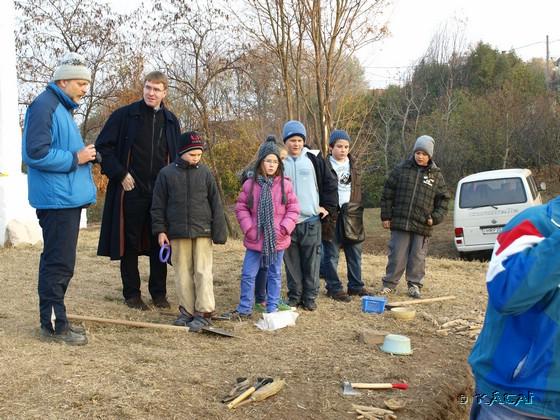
[{"x": 128, "y": 372}]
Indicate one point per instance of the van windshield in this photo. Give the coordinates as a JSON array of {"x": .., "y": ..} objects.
[{"x": 492, "y": 192}]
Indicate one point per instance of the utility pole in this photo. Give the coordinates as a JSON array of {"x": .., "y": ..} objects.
[{"x": 547, "y": 64}]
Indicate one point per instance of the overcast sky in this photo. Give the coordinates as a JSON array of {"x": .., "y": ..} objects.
[{"x": 504, "y": 24}]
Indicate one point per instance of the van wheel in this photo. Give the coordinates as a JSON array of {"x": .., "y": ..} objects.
[
  {"x": 467, "y": 256},
  {"x": 482, "y": 256}
]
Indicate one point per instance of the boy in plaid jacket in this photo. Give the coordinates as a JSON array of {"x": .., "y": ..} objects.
[{"x": 414, "y": 199}]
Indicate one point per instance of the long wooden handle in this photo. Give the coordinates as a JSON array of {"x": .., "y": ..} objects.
[
  {"x": 242, "y": 397},
  {"x": 359, "y": 385},
  {"x": 127, "y": 323},
  {"x": 418, "y": 301}
]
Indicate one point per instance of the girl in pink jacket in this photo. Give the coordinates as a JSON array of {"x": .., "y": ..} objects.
[{"x": 267, "y": 210}]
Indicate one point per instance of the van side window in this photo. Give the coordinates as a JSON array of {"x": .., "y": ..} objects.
[{"x": 532, "y": 186}]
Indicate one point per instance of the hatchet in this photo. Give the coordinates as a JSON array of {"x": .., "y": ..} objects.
[{"x": 349, "y": 388}]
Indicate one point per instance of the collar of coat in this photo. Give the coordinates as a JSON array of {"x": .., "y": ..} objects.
[
  {"x": 184, "y": 165},
  {"x": 136, "y": 110},
  {"x": 411, "y": 163}
]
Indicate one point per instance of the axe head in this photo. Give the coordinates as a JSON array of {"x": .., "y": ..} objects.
[{"x": 347, "y": 389}]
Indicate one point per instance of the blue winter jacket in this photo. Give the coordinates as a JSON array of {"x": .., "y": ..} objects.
[
  {"x": 516, "y": 359},
  {"x": 51, "y": 140}
]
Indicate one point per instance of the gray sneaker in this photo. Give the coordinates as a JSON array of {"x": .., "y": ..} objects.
[
  {"x": 183, "y": 319},
  {"x": 237, "y": 316},
  {"x": 197, "y": 323},
  {"x": 68, "y": 337},
  {"x": 414, "y": 292}
]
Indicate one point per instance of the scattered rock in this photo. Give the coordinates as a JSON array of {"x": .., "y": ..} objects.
[{"x": 372, "y": 337}]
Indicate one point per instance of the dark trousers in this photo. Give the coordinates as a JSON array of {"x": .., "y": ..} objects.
[
  {"x": 302, "y": 260},
  {"x": 407, "y": 251},
  {"x": 56, "y": 267},
  {"x": 138, "y": 228},
  {"x": 329, "y": 260}
]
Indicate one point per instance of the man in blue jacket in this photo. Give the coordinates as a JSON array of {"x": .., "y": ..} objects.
[
  {"x": 60, "y": 185},
  {"x": 516, "y": 359}
]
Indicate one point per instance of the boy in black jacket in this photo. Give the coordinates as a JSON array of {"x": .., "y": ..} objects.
[
  {"x": 187, "y": 212},
  {"x": 349, "y": 192}
]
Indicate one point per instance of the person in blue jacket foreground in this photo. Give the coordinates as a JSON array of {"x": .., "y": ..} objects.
[
  {"x": 60, "y": 185},
  {"x": 516, "y": 359}
]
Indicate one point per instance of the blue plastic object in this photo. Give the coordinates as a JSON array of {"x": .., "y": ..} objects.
[
  {"x": 164, "y": 253},
  {"x": 373, "y": 304}
]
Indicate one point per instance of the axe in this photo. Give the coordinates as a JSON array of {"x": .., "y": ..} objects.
[{"x": 349, "y": 388}]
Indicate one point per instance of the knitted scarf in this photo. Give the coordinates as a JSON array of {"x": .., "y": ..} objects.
[{"x": 265, "y": 221}]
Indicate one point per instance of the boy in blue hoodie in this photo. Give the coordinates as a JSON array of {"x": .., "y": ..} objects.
[
  {"x": 516, "y": 359},
  {"x": 316, "y": 188}
]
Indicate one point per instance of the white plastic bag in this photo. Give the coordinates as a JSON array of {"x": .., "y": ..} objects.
[{"x": 276, "y": 320}]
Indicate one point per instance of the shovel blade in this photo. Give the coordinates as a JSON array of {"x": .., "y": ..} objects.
[{"x": 220, "y": 331}]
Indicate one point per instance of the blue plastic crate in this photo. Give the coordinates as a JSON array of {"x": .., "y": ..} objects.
[{"x": 373, "y": 304}]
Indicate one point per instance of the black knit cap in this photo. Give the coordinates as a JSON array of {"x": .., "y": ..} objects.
[{"x": 189, "y": 141}]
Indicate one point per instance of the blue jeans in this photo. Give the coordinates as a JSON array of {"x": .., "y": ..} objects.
[
  {"x": 322, "y": 269},
  {"x": 260, "y": 285},
  {"x": 353, "y": 253},
  {"x": 251, "y": 266},
  {"x": 302, "y": 260},
  {"x": 56, "y": 267}
]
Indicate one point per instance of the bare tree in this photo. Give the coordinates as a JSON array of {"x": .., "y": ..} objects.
[
  {"x": 447, "y": 49},
  {"x": 196, "y": 47},
  {"x": 49, "y": 28},
  {"x": 271, "y": 25},
  {"x": 336, "y": 30},
  {"x": 313, "y": 41}
]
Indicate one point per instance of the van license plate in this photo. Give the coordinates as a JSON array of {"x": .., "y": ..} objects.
[{"x": 491, "y": 230}]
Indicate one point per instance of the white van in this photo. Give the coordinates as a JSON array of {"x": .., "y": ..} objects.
[{"x": 486, "y": 201}]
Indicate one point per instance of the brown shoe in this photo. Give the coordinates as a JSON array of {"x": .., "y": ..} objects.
[
  {"x": 360, "y": 292},
  {"x": 340, "y": 296},
  {"x": 136, "y": 303},
  {"x": 161, "y": 302}
]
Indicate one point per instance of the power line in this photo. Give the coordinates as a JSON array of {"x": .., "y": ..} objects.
[
  {"x": 534, "y": 43},
  {"x": 415, "y": 65}
]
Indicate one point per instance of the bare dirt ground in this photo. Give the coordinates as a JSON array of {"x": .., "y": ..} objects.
[
  {"x": 138, "y": 373},
  {"x": 148, "y": 374}
]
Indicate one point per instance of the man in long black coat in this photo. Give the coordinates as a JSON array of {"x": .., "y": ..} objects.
[{"x": 136, "y": 142}]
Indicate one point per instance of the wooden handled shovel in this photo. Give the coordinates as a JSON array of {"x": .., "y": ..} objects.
[{"x": 140, "y": 324}]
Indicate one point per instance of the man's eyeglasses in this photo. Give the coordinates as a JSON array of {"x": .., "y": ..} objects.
[{"x": 152, "y": 89}]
